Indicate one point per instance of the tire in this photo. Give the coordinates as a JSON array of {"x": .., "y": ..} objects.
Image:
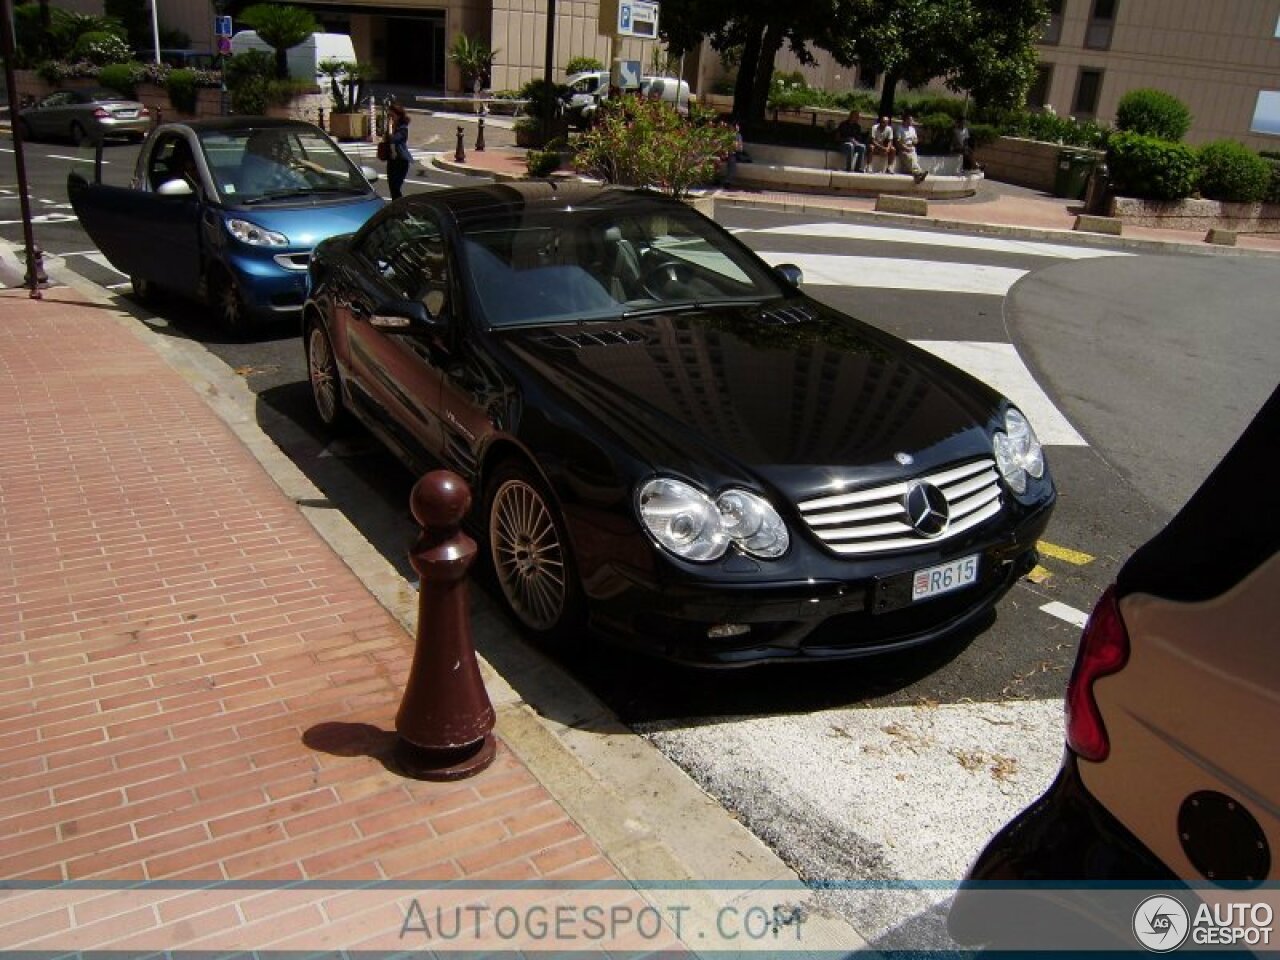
[
  {"x": 326, "y": 382},
  {"x": 226, "y": 302},
  {"x": 78, "y": 135},
  {"x": 144, "y": 291},
  {"x": 530, "y": 557}
]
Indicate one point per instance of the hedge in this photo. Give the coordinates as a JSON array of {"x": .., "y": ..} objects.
[
  {"x": 1153, "y": 113},
  {"x": 1151, "y": 168},
  {"x": 1231, "y": 171}
]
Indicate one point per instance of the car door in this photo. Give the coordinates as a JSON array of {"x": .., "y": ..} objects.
[
  {"x": 142, "y": 232},
  {"x": 402, "y": 258},
  {"x": 46, "y": 119}
]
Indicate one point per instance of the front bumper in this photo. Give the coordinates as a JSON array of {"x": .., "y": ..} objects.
[
  {"x": 266, "y": 286},
  {"x": 822, "y": 618}
]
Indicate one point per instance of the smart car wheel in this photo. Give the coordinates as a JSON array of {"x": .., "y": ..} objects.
[
  {"x": 530, "y": 555},
  {"x": 326, "y": 388},
  {"x": 144, "y": 291},
  {"x": 226, "y": 301}
]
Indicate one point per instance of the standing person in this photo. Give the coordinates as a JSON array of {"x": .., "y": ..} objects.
[
  {"x": 849, "y": 135},
  {"x": 398, "y": 141},
  {"x": 882, "y": 149},
  {"x": 907, "y": 140},
  {"x": 962, "y": 143}
]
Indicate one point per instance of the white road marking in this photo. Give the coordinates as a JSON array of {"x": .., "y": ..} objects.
[
  {"x": 42, "y": 218},
  {"x": 1077, "y": 618},
  {"x": 824, "y": 269},
  {"x": 103, "y": 262},
  {"x": 998, "y": 365},
  {"x": 59, "y": 156},
  {"x": 861, "y": 231}
]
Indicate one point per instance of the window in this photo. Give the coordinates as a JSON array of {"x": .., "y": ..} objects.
[
  {"x": 1266, "y": 114},
  {"x": 1098, "y": 34},
  {"x": 1053, "y": 25},
  {"x": 1038, "y": 92},
  {"x": 1088, "y": 87},
  {"x": 408, "y": 253}
]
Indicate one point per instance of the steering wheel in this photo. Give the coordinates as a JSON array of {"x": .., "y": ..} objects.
[{"x": 667, "y": 280}]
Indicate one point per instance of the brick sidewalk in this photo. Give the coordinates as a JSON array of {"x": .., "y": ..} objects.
[{"x": 195, "y": 686}]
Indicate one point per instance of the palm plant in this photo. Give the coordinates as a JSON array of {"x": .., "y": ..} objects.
[
  {"x": 346, "y": 83},
  {"x": 474, "y": 59},
  {"x": 280, "y": 27}
]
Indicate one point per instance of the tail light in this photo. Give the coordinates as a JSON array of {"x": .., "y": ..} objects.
[
  {"x": 1104, "y": 650},
  {"x": 143, "y": 111},
  {"x": 101, "y": 112}
]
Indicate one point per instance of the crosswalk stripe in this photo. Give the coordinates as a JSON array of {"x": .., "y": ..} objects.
[
  {"x": 865, "y": 231},
  {"x": 999, "y": 366},
  {"x": 886, "y": 273},
  {"x": 1071, "y": 615}
]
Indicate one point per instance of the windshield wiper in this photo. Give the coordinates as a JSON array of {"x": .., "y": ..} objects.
[
  {"x": 280, "y": 195},
  {"x": 687, "y": 306}
]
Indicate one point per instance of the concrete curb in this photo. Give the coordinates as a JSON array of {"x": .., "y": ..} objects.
[{"x": 649, "y": 818}]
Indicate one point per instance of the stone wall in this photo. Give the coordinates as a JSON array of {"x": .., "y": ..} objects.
[
  {"x": 1027, "y": 163},
  {"x": 1199, "y": 215}
]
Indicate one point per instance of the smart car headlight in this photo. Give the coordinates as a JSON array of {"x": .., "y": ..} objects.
[
  {"x": 254, "y": 235},
  {"x": 691, "y": 525},
  {"x": 1017, "y": 451}
]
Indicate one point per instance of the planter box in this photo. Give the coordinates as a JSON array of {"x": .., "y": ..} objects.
[
  {"x": 349, "y": 126},
  {"x": 1199, "y": 215}
]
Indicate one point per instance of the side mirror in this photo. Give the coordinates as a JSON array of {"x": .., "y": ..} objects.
[
  {"x": 177, "y": 187},
  {"x": 369, "y": 174},
  {"x": 404, "y": 316},
  {"x": 791, "y": 275}
]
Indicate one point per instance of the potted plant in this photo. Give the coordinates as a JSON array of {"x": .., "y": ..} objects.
[{"x": 346, "y": 87}]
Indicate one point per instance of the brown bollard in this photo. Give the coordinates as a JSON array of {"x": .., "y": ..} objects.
[
  {"x": 480, "y": 135},
  {"x": 445, "y": 720},
  {"x": 459, "y": 152}
]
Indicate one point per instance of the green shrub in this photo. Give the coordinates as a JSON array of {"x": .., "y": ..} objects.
[
  {"x": 123, "y": 78},
  {"x": 935, "y": 132},
  {"x": 982, "y": 134},
  {"x": 1273, "y": 187},
  {"x": 1231, "y": 171},
  {"x": 535, "y": 92},
  {"x": 102, "y": 48},
  {"x": 1047, "y": 126},
  {"x": 786, "y": 134},
  {"x": 647, "y": 143},
  {"x": 542, "y": 163},
  {"x": 582, "y": 65},
  {"x": 861, "y": 100},
  {"x": 182, "y": 90},
  {"x": 930, "y": 104},
  {"x": 1151, "y": 168},
  {"x": 1153, "y": 113}
]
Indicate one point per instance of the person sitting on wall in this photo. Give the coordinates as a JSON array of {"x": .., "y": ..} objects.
[
  {"x": 962, "y": 143},
  {"x": 882, "y": 148},
  {"x": 908, "y": 139},
  {"x": 849, "y": 135}
]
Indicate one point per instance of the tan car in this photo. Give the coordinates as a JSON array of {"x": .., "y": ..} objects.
[
  {"x": 85, "y": 116},
  {"x": 1171, "y": 776}
]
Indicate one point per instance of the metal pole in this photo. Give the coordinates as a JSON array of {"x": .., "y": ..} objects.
[
  {"x": 549, "y": 94},
  {"x": 155, "y": 27},
  {"x": 19, "y": 159}
]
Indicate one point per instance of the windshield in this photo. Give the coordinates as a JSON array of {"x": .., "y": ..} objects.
[
  {"x": 258, "y": 165},
  {"x": 588, "y": 264}
]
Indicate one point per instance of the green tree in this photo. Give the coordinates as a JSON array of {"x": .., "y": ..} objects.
[
  {"x": 582, "y": 65},
  {"x": 281, "y": 28},
  {"x": 474, "y": 59}
]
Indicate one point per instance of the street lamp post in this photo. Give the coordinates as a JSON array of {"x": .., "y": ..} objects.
[
  {"x": 155, "y": 27},
  {"x": 19, "y": 159}
]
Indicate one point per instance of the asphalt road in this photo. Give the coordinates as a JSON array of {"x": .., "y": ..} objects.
[{"x": 895, "y": 768}]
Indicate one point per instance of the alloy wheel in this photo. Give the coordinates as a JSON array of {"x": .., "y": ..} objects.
[
  {"x": 324, "y": 376},
  {"x": 528, "y": 556}
]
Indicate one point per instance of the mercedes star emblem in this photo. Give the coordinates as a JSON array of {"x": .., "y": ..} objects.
[{"x": 927, "y": 508}]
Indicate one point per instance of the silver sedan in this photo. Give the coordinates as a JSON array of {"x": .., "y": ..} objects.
[{"x": 85, "y": 116}]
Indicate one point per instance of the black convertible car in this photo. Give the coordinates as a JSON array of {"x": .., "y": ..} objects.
[{"x": 666, "y": 438}]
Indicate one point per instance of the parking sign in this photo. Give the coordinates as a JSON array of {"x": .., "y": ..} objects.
[{"x": 222, "y": 26}]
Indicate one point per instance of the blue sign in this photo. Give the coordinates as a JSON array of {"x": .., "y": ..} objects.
[
  {"x": 624, "y": 17},
  {"x": 222, "y": 26}
]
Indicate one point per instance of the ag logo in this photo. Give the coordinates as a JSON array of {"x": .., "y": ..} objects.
[{"x": 1161, "y": 923}]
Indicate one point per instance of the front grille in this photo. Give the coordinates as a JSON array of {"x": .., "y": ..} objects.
[
  {"x": 875, "y": 520},
  {"x": 294, "y": 261}
]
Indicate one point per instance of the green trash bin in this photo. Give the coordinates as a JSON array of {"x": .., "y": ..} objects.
[{"x": 1072, "y": 175}]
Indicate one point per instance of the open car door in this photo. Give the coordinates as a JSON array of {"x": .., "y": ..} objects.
[{"x": 145, "y": 235}]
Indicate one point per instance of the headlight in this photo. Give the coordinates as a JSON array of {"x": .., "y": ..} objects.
[
  {"x": 687, "y": 522},
  {"x": 1017, "y": 451},
  {"x": 254, "y": 235}
]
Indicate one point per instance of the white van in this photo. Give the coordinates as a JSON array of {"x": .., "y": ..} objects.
[
  {"x": 306, "y": 57},
  {"x": 673, "y": 91}
]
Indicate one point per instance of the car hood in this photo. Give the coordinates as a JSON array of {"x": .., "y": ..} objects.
[
  {"x": 308, "y": 220},
  {"x": 798, "y": 395}
]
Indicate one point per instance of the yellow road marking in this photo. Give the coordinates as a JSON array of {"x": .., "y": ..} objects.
[
  {"x": 1038, "y": 574},
  {"x": 1063, "y": 553}
]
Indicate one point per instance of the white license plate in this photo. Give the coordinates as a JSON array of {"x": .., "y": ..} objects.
[{"x": 944, "y": 578}]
